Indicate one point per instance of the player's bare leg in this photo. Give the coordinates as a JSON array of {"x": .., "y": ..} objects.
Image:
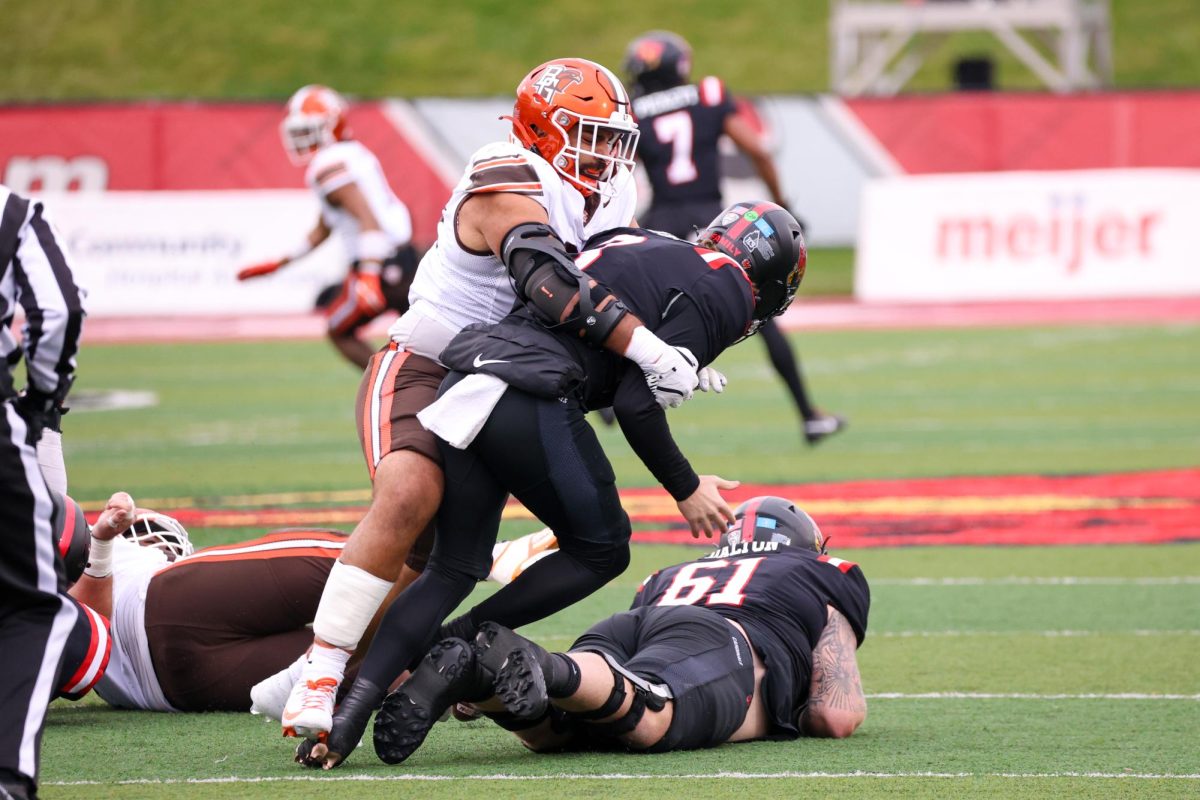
[
  {"x": 408, "y": 489},
  {"x": 269, "y": 696}
]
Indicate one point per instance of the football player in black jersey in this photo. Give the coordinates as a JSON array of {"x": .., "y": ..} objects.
[
  {"x": 531, "y": 439},
  {"x": 681, "y": 124},
  {"x": 755, "y": 640}
]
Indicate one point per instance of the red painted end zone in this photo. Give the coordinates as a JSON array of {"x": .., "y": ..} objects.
[{"x": 1118, "y": 508}]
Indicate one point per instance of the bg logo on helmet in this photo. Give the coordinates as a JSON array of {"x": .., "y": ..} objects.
[{"x": 555, "y": 79}]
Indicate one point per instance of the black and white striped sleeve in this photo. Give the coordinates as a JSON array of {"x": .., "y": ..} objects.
[{"x": 34, "y": 272}]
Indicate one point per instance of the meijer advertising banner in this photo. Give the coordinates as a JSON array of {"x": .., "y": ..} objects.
[
  {"x": 168, "y": 253},
  {"x": 1030, "y": 236}
]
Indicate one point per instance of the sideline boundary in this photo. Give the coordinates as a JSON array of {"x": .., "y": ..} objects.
[
  {"x": 809, "y": 314},
  {"x": 623, "y": 776}
]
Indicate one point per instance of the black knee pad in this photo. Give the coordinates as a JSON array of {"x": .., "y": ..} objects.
[
  {"x": 626, "y": 722},
  {"x": 615, "y": 698}
]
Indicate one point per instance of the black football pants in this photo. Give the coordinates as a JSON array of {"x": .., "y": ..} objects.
[{"x": 545, "y": 454}]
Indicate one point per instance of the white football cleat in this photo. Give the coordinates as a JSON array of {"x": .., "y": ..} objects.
[
  {"x": 269, "y": 696},
  {"x": 510, "y": 559},
  {"x": 309, "y": 709}
]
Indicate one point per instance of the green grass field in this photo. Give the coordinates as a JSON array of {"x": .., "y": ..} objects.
[
  {"x": 1039, "y": 672},
  {"x": 1012, "y": 683},
  {"x": 259, "y": 417}
]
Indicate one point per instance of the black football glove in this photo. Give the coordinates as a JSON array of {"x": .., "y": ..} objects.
[{"x": 40, "y": 411}]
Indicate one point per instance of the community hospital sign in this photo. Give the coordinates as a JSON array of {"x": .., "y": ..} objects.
[{"x": 1030, "y": 236}]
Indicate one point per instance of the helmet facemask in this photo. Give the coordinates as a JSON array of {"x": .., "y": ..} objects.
[
  {"x": 766, "y": 241},
  {"x": 151, "y": 529},
  {"x": 593, "y": 149},
  {"x": 315, "y": 119},
  {"x": 574, "y": 113},
  {"x": 303, "y": 135}
]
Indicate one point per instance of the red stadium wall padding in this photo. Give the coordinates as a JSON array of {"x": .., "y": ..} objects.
[
  {"x": 196, "y": 146},
  {"x": 990, "y": 132}
]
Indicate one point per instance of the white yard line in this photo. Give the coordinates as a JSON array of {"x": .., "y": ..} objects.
[
  {"x": 1053, "y": 634},
  {"x": 1029, "y": 696},
  {"x": 622, "y": 776},
  {"x": 1052, "y": 580}
]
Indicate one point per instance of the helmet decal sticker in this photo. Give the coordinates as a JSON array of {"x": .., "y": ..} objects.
[{"x": 555, "y": 79}]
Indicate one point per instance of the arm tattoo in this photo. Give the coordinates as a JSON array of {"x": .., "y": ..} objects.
[{"x": 836, "y": 682}]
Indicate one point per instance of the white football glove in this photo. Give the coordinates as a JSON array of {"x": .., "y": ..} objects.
[
  {"x": 670, "y": 371},
  {"x": 675, "y": 378},
  {"x": 711, "y": 380}
]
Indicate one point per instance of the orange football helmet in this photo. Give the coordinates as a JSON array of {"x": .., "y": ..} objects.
[
  {"x": 574, "y": 113},
  {"x": 316, "y": 118}
]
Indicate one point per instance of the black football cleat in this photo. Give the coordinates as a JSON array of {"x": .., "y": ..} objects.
[
  {"x": 349, "y": 723},
  {"x": 512, "y": 662},
  {"x": 445, "y": 676},
  {"x": 820, "y": 427}
]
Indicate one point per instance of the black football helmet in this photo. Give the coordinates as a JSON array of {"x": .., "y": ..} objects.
[
  {"x": 768, "y": 242},
  {"x": 656, "y": 61},
  {"x": 72, "y": 535},
  {"x": 773, "y": 519}
]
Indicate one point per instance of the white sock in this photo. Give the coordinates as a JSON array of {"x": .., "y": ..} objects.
[{"x": 325, "y": 662}]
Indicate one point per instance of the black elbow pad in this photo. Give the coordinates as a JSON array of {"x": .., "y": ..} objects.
[{"x": 546, "y": 278}]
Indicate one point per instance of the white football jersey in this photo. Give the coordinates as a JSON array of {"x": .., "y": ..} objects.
[
  {"x": 130, "y": 680},
  {"x": 455, "y": 287},
  {"x": 348, "y": 162}
]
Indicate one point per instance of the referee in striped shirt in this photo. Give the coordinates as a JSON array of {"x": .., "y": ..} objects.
[{"x": 35, "y": 619}]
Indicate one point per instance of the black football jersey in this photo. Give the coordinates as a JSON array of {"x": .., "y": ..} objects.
[
  {"x": 651, "y": 273},
  {"x": 690, "y": 297},
  {"x": 778, "y": 594},
  {"x": 680, "y": 128}
]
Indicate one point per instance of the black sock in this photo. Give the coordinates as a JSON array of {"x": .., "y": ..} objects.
[
  {"x": 788, "y": 366},
  {"x": 409, "y": 627},
  {"x": 562, "y": 675},
  {"x": 460, "y": 627}
]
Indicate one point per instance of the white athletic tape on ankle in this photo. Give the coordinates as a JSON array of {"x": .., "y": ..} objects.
[{"x": 351, "y": 598}]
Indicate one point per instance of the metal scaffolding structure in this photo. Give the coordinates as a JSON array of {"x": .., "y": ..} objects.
[{"x": 876, "y": 47}]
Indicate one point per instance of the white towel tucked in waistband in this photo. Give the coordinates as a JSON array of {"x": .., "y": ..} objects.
[{"x": 459, "y": 414}]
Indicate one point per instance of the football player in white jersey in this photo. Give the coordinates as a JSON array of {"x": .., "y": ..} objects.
[
  {"x": 358, "y": 204},
  {"x": 505, "y": 233},
  {"x": 180, "y": 636},
  {"x": 168, "y": 628}
]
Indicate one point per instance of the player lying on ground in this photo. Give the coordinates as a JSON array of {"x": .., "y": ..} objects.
[
  {"x": 755, "y": 640},
  {"x": 194, "y": 631}
]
